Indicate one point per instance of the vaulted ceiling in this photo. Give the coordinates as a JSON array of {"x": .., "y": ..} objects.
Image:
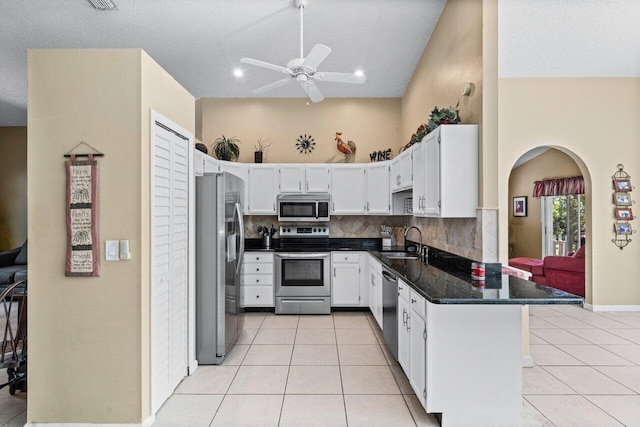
[{"x": 200, "y": 42}]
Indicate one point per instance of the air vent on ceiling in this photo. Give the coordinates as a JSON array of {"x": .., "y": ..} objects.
[{"x": 102, "y": 4}]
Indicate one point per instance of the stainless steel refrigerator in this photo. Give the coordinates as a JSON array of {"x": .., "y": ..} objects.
[{"x": 219, "y": 253}]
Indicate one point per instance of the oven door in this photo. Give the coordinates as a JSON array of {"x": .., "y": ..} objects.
[{"x": 302, "y": 274}]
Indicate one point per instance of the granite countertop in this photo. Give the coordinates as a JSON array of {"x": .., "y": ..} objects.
[{"x": 441, "y": 284}]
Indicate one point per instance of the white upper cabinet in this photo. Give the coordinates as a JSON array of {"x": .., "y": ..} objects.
[
  {"x": 300, "y": 178},
  {"x": 318, "y": 179},
  {"x": 402, "y": 171},
  {"x": 348, "y": 189},
  {"x": 263, "y": 189},
  {"x": 378, "y": 194},
  {"x": 419, "y": 180},
  {"x": 451, "y": 172},
  {"x": 292, "y": 178}
]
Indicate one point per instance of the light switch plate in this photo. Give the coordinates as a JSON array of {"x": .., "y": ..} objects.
[
  {"x": 111, "y": 249},
  {"x": 124, "y": 250}
]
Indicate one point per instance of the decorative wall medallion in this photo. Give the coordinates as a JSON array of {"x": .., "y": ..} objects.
[{"x": 305, "y": 144}]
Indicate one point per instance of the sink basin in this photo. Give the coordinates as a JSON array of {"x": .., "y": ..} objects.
[{"x": 400, "y": 255}]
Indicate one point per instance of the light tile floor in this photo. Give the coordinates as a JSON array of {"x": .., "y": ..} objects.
[{"x": 335, "y": 371}]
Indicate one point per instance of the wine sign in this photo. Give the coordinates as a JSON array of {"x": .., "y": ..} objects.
[{"x": 378, "y": 156}]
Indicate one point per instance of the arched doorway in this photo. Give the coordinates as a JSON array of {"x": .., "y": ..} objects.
[{"x": 555, "y": 223}]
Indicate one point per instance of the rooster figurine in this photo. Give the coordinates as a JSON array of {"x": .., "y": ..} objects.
[{"x": 347, "y": 148}]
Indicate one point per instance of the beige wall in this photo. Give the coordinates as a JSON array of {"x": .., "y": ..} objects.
[
  {"x": 89, "y": 344},
  {"x": 525, "y": 233},
  {"x": 452, "y": 57},
  {"x": 13, "y": 187},
  {"x": 373, "y": 123},
  {"x": 573, "y": 115}
]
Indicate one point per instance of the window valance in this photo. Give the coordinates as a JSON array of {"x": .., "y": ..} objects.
[{"x": 559, "y": 187}]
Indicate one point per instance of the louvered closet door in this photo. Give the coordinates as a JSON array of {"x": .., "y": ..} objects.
[{"x": 170, "y": 263}]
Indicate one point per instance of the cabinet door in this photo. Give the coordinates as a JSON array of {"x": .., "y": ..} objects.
[
  {"x": 348, "y": 190},
  {"x": 318, "y": 179},
  {"x": 345, "y": 287},
  {"x": 432, "y": 174},
  {"x": 378, "y": 194},
  {"x": 211, "y": 164},
  {"x": 378, "y": 292},
  {"x": 395, "y": 177},
  {"x": 417, "y": 356},
  {"x": 403, "y": 335},
  {"x": 240, "y": 170},
  {"x": 263, "y": 184},
  {"x": 406, "y": 169},
  {"x": 292, "y": 179},
  {"x": 418, "y": 179}
]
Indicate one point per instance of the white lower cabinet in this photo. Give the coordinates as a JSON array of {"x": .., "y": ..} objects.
[
  {"x": 345, "y": 281},
  {"x": 257, "y": 280},
  {"x": 412, "y": 338}
]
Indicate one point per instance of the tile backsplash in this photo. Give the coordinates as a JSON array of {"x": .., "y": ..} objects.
[{"x": 460, "y": 236}]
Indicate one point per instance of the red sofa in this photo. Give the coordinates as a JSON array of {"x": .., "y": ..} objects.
[{"x": 561, "y": 272}]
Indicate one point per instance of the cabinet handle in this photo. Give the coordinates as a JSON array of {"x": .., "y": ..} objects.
[
  {"x": 367, "y": 206},
  {"x": 404, "y": 316},
  {"x": 274, "y": 206},
  {"x": 334, "y": 272},
  {"x": 257, "y": 296},
  {"x": 307, "y": 185},
  {"x": 334, "y": 206},
  {"x": 257, "y": 280},
  {"x": 300, "y": 185},
  {"x": 257, "y": 269},
  {"x": 400, "y": 287},
  {"x": 413, "y": 301}
]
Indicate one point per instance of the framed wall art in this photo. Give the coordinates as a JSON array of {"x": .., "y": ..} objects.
[{"x": 520, "y": 206}]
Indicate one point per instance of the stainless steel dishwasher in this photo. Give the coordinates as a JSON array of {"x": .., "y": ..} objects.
[{"x": 390, "y": 310}]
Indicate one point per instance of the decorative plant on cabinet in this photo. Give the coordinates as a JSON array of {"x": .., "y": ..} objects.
[{"x": 227, "y": 148}]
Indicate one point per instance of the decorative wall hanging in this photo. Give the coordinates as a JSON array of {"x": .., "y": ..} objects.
[
  {"x": 520, "y": 206},
  {"x": 83, "y": 254},
  {"x": 347, "y": 148},
  {"x": 622, "y": 200},
  {"x": 306, "y": 144}
]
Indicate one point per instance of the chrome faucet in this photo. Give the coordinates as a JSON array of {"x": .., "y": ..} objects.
[{"x": 406, "y": 231}]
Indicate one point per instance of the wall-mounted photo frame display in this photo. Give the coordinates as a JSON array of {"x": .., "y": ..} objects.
[
  {"x": 624, "y": 213},
  {"x": 621, "y": 199},
  {"x": 623, "y": 228},
  {"x": 520, "y": 206},
  {"x": 622, "y": 184}
]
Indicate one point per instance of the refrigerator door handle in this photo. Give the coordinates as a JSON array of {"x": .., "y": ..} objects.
[{"x": 240, "y": 256}]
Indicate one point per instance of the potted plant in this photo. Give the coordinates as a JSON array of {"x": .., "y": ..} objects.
[
  {"x": 443, "y": 116},
  {"x": 262, "y": 146},
  {"x": 226, "y": 148}
]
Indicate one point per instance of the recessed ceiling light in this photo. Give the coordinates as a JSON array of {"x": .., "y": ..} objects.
[
  {"x": 359, "y": 73},
  {"x": 238, "y": 72}
]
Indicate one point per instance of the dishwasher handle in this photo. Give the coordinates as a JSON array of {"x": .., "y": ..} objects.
[{"x": 389, "y": 276}]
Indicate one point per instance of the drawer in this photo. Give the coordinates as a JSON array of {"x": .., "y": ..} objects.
[
  {"x": 257, "y": 268},
  {"x": 417, "y": 303},
  {"x": 256, "y": 296},
  {"x": 345, "y": 257},
  {"x": 256, "y": 279},
  {"x": 403, "y": 290},
  {"x": 258, "y": 257}
]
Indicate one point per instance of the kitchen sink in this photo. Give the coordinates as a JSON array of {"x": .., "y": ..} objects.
[{"x": 400, "y": 255}]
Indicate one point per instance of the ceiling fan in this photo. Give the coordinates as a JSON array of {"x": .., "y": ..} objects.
[{"x": 303, "y": 70}]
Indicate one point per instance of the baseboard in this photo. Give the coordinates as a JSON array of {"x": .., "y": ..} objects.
[
  {"x": 193, "y": 365},
  {"x": 148, "y": 422},
  {"x": 527, "y": 361},
  {"x": 594, "y": 308}
]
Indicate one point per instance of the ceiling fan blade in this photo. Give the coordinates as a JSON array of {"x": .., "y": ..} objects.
[
  {"x": 340, "y": 77},
  {"x": 312, "y": 91},
  {"x": 272, "y": 85},
  {"x": 318, "y": 54},
  {"x": 266, "y": 65}
]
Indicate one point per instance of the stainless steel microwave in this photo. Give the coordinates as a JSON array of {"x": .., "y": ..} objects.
[{"x": 303, "y": 208}]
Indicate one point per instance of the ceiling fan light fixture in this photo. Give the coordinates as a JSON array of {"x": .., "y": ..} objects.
[
  {"x": 238, "y": 72},
  {"x": 359, "y": 73},
  {"x": 103, "y": 4}
]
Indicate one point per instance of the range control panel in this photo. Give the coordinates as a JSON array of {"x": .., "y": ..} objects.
[{"x": 316, "y": 230}]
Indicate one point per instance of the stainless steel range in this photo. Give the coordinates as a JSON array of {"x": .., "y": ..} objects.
[{"x": 303, "y": 270}]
